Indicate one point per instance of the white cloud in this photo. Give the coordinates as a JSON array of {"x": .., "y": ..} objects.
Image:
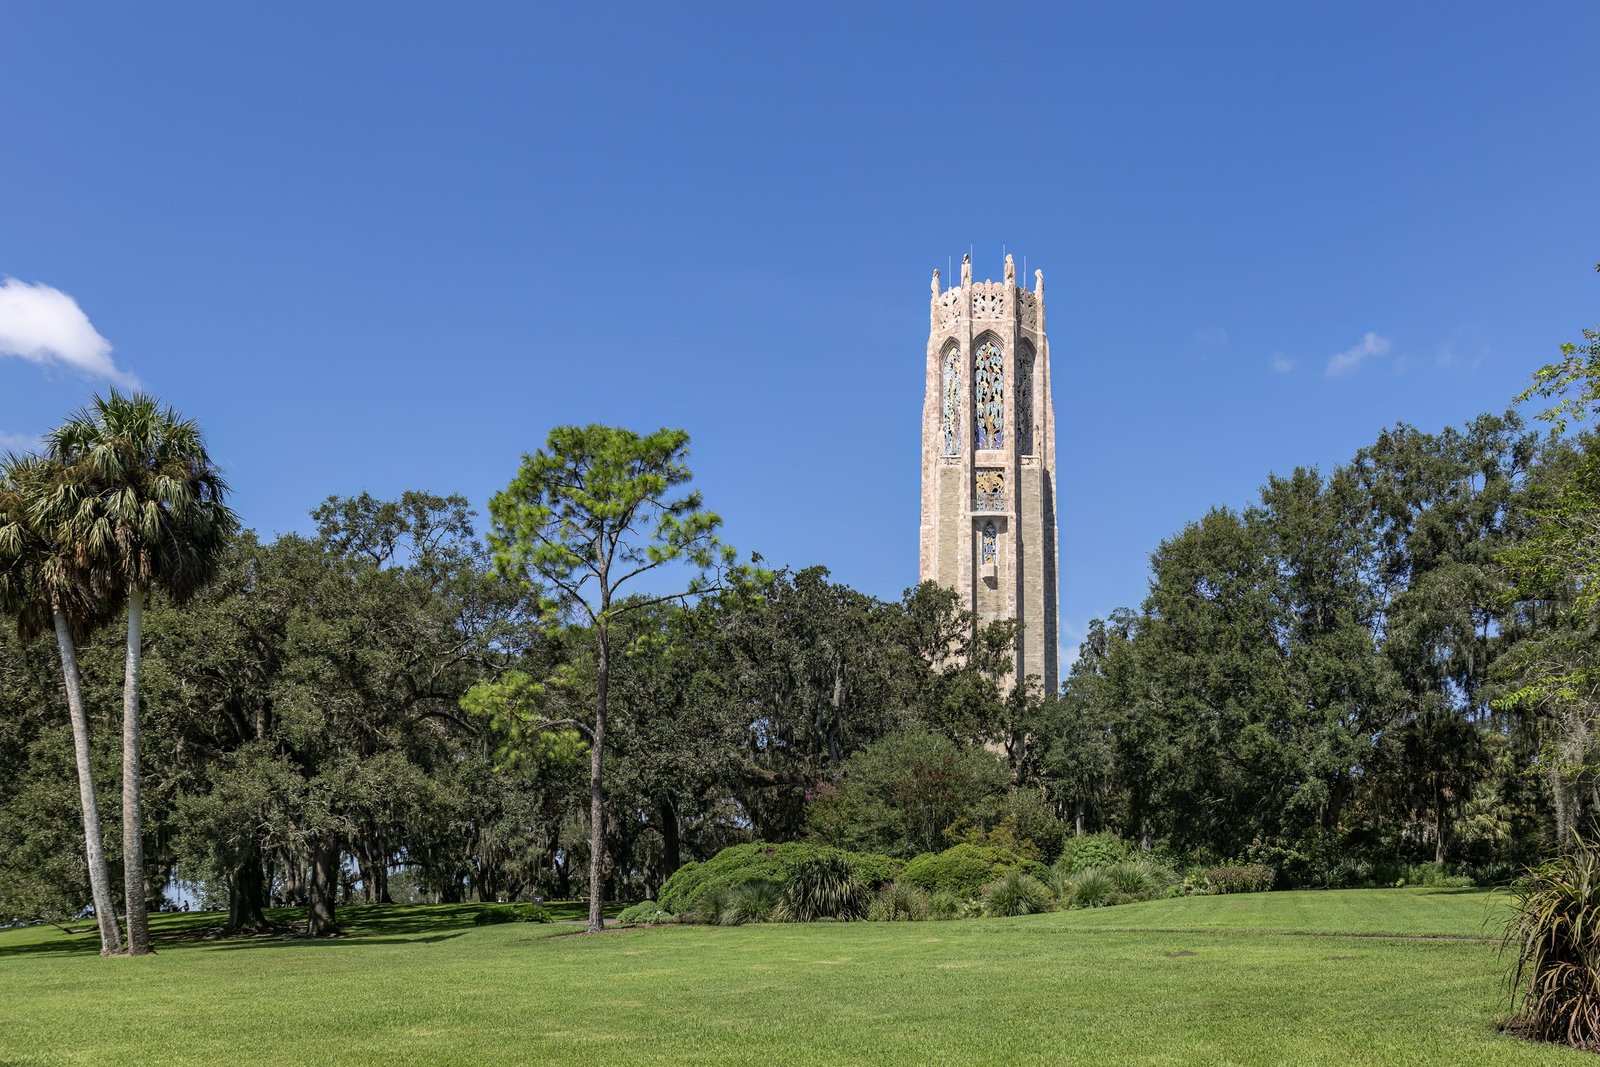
[
  {"x": 18, "y": 442},
  {"x": 1371, "y": 346},
  {"x": 1283, "y": 364},
  {"x": 44, "y": 325}
]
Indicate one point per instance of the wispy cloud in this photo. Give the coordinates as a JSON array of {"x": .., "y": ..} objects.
[
  {"x": 1283, "y": 364},
  {"x": 1214, "y": 336},
  {"x": 18, "y": 442},
  {"x": 1371, "y": 346},
  {"x": 43, "y": 325}
]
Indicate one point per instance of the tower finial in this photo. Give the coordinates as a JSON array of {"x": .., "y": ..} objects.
[
  {"x": 1038, "y": 284},
  {"x": 966, "y": 269},
  {"x": 935, "y": 284},
  {"x": 1011, "y": 270}
]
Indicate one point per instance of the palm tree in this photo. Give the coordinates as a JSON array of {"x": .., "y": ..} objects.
[
  {"x": 146, "y": 512},
  {"x": 42, "y": 590}
]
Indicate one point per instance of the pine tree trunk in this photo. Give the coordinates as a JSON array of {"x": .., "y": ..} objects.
[
  {"x": 132, "y": 818},
  {"x": 597, "y": 796},
  {"x": 105, "y": 911}
]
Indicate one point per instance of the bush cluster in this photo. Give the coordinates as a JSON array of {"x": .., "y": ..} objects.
[
  {"x": 700, "y": 889},
  {"x": 1434, "y": 876},
  {"x": 512, "y": 913},
  {"x": 806, "y": 883},
  {"x": 964, "y": 870},
  {"x": 1093, "y": 850},
  {"x": 1241, "y": 878},
  {"x": 645, "y": 913}
]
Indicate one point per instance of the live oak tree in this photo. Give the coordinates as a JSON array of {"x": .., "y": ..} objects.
[{"x": 586, "y": 517}]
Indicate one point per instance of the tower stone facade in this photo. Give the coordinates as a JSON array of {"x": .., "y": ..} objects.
[{"x": 989, "y": 460}]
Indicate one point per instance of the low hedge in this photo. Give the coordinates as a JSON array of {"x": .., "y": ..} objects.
[
  {"x": 512, "y": 913},
  {"x": 964, "y": 870},
  {"x": 1241, "y": 878},
  {"x": 743, "y": 865},
  {"x": 646, "y": 912}
]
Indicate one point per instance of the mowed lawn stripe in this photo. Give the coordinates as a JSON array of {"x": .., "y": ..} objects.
[{"x": 1054, "y": 988}]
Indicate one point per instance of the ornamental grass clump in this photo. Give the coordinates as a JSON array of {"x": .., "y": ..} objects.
[
  {"x": 1555, "y": 932},
  {"x": 754, "y": 902},
  {"x": 898, "y": 902},
  {"x": 943, "y": 907},
  {"x": 1088, "y": 888},
  {"x": 1016, "y": 894},
  {"x": 1134, "y": 878},
  {"x": 824, "y": 887}
]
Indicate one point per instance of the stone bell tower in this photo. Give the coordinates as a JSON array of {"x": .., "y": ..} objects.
[{"x": 989, "y": 459}]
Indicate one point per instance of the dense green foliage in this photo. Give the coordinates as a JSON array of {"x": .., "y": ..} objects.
[
  {"x": 1312, "y": 682},
  {"x": 512, "y": 913},
  {"x": 1241, "y": 878},
  {"x": 760, "y": 863},
  {"x": 1092, "y": 850},
  {"x": 963, "y": 870},
  {"x": 900, "y": 794},
  {"x": 647, "y": 912}
]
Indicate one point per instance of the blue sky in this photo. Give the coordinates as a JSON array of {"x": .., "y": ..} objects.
[{"x": 386, "y": 247}]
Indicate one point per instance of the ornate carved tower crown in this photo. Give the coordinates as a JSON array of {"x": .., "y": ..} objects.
[{"x": 989, "y": 459}]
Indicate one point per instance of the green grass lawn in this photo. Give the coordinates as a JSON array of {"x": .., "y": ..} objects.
[{"x": 1402, "y": 976}]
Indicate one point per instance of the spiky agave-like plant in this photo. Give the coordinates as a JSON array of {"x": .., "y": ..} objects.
[
  {"x": 1091, "y": 887},
  {"x": 1555, "y": 933},
  {"x": 1016, "y": 893},
  {"x": 823, "y": 887}
]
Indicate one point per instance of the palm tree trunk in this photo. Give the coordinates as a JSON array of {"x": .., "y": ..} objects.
[
  {"x": 132, "y": 819},
  {"x": 94, "y": 847}
]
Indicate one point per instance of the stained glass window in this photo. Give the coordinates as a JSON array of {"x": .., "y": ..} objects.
[
  {"x": 990, "y": 538},
  {"x": 951, "y": 421},
  {"x": 988, "y": 397},
  {"x": 990, "y": 490}
]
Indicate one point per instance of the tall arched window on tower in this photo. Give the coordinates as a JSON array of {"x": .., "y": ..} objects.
[
  {"x": 950, "y": 418},
  {"x": 1025, "y": 399},
  {"x": 989, "y": 396},
  {"x": 989, "y": 550}
]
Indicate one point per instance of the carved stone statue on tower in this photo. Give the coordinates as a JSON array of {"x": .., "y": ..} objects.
[{"x": 988, "y": 461}]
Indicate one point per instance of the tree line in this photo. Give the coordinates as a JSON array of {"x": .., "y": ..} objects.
[{"x": 1378, "y": 665}]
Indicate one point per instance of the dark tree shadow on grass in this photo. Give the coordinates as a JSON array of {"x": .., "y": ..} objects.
[{"x": 360, "y": 925}]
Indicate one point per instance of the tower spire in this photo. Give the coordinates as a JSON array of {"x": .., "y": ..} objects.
[{"x": 988, "y": 461}]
